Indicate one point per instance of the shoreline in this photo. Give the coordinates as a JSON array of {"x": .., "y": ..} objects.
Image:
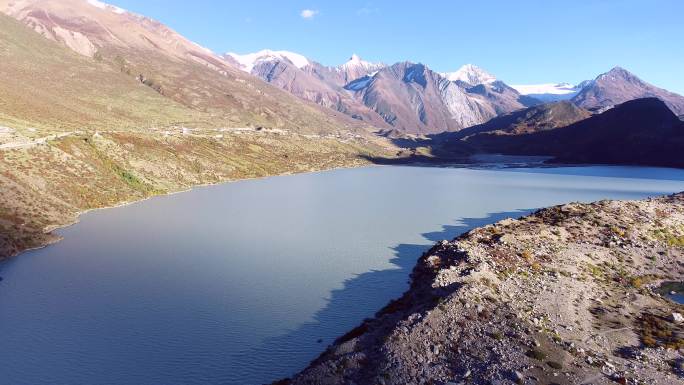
[
  {"x": 565, "y": 295},
  {"x": 49, "y": 231}
]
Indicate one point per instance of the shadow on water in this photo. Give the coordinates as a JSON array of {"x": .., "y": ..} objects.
[
  {"x": 470, "y": 161},
  {"x": 359, "y": 298},
  {"x": 535, "y": 164}
]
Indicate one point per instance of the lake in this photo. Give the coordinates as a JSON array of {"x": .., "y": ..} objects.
[{"x": 246, "y": 282}]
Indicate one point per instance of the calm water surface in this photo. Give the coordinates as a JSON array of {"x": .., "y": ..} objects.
[{"x": 237, "y": 283}]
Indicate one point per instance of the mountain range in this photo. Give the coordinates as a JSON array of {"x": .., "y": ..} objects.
[
  {"x": 411, "y": 98},
  {"x": 282, "y": 89},
  {"x": 401, "y": 98}
]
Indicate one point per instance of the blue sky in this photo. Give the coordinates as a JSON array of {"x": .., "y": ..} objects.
[{"x": 521, "y": 42}]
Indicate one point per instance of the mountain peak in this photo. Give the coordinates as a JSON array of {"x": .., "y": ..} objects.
[
  {"x": 356, "y": 68},
  {"x": 248, "y": 61},
  {"x": 618, "y": 72},
  {"x": 471, "y": 74},
  {"x": 619, "y": 86},
  {"x": 355, "y": 61},
  {"x": 618, "y": 69}
]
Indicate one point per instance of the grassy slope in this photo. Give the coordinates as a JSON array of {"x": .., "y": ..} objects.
[
  {"x": 70, "y": 92},
  {"x": 49, "y": 87}
]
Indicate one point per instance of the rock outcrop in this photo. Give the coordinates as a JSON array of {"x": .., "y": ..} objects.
[{"x": 563, "y": 296}]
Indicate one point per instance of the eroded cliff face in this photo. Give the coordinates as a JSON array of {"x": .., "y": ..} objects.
[{"x": 566, "y": 295}]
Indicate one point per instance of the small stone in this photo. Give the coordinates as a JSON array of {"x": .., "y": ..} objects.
[
  {"x": 677, "y": 318},
  {"x": 518, "y": 377}
]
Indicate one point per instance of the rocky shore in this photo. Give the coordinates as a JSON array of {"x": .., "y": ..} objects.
[{"x": 567, "y": 295}]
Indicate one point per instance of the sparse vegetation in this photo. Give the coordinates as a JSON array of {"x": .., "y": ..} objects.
[
  {"x": 672, "y": 238},
  {"x": 657, "y": 331},
  {"x": 537, "y": 354}
]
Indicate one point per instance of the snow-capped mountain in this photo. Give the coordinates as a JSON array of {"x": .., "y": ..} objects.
[
  {"x": 310, "y": 80},
  {"x": 411, "y": 98},
  {"x": 248, "y": 61},
  {"x": 357, "y": 68},
  {"x": 404, "y": 97},
  {"x": 470, "y": 74},
  {"x": 549, "y": 92},
  {"x": 341, "y": 75}
]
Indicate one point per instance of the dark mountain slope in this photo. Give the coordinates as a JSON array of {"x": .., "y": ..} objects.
[
  {"x": 642, "y": 131},
  {"x": 533, "y": 119}
]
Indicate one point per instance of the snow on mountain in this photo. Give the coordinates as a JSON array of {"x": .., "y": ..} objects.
[
  {"x": 105, "y": 6},
  {"x": 361, "y": 83},
  {"x": 549, "y": 88},
  {"x": 549, "y": 92},
  {"x": 470, "y": 74},
  {"x": 356, "y": 62},
  {"x": 357, "y": 68},
  {"x": 248, "y": 61},
  {"x": 411, "y": 98}
]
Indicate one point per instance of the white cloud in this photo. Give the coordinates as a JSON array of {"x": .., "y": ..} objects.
[
  {"x": 366, "y": 11},
  {"x": 308, "y": 13}
]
